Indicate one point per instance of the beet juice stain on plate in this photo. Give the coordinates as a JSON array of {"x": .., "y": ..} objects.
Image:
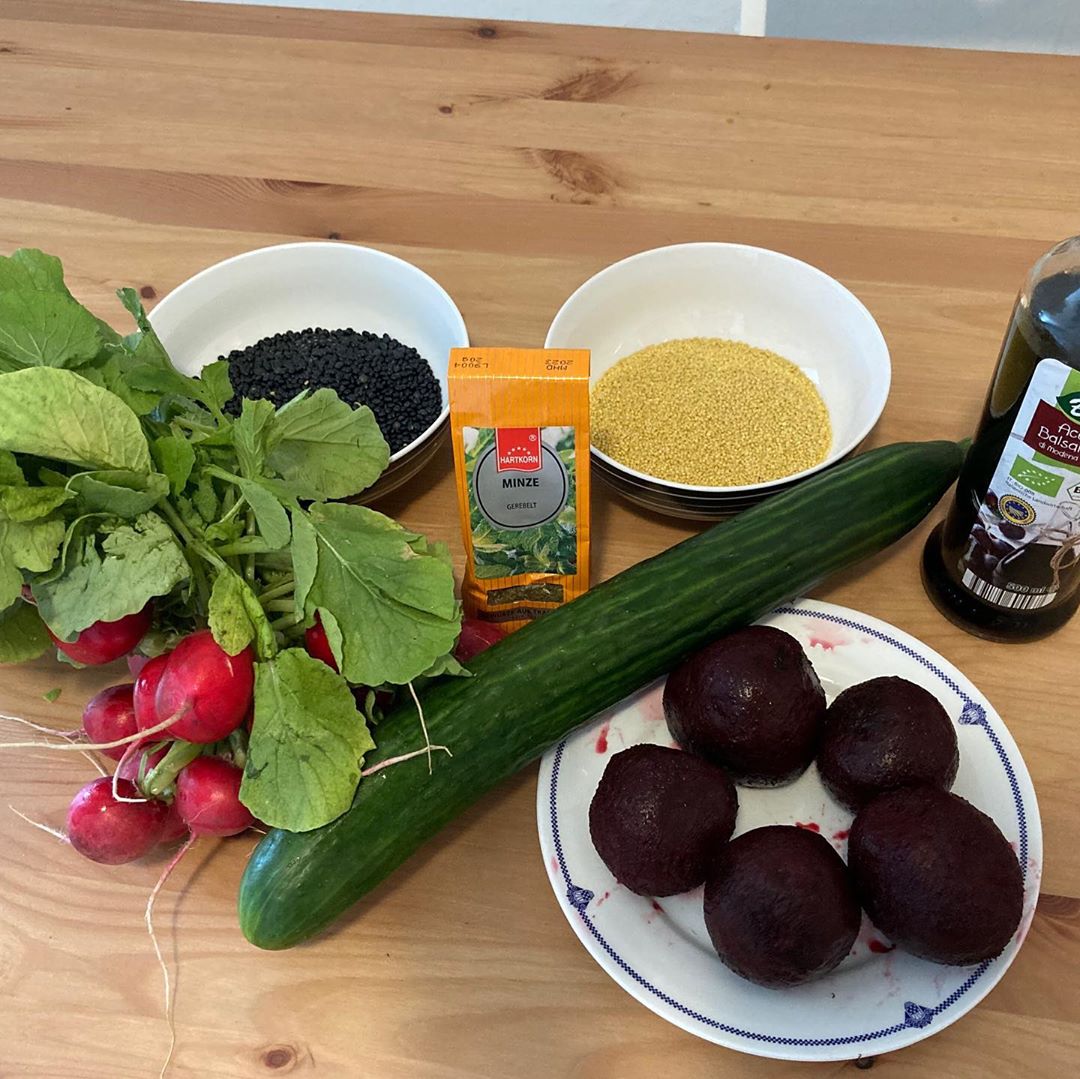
[
  {"x": 602, "y": 738},
  {"x": 668, "y": 963}
]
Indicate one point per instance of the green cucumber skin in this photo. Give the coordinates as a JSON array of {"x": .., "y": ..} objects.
[{"x": 536, "y": 686}]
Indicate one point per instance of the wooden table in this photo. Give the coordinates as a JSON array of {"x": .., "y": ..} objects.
[{"x": 143, "y": 141}]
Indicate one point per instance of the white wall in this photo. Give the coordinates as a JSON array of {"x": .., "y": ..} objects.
[
  {"x": 1010, "y": 25},
  {"x": 1014, "y": 25},
  {"x": 717, "y": 16}
]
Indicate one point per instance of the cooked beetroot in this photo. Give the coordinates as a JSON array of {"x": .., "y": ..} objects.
[
  {"x": 936, "y": 875},
  {"x": 750, "y": 702},
  {"x": 883, "y": 734},
  {"x": 658, "y": 816},
  {"x": 779, "y": 906}
]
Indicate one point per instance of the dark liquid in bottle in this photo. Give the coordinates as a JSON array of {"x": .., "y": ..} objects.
[{"x": 1015, "y": 564}]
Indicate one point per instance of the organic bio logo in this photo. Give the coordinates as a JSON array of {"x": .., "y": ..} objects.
[
  {"x": 518, "y": 449},
  {"x": 1069, "y": 403},
  {"x": 1040, "y": 480},
  {"x": 1015, "y": 509}
]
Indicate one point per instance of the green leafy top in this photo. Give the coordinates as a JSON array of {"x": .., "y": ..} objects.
[{"x": 124, "y": 483}]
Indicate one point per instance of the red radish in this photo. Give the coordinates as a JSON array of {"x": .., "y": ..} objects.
[
  {"x": 129, "y": 769},
  {"x": 208, "y": 690},
  {"x": 175, "y": 827},
  {"x": 146, "y": 687},
  {"x": 136, "y": 662},
  {"x": 208, "y": 798},
  {"x": 110, "y": 716},
  {"x": 104, "y": 830},
  {"x": 317, "y": 644},
  {"x": 476, "y": 636},
  {"x": 105, "y": 641}
]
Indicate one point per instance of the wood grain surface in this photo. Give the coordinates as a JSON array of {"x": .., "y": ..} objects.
[{"x": 142, "y": 141}]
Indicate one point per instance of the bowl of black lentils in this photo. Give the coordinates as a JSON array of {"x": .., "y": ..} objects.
[{"x": 294, "y": 317}]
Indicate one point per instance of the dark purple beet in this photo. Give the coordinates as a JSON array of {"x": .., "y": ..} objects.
[
  {"x": 883, "y": 734},
  {"x": 936, "y": 875},
  {"x": 750, "y": 702},
  {"x": 779, "y": 906},
  {"x": 658, "y": 816}
]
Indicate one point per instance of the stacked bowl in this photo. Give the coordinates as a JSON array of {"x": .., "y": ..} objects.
[
  {"x": 270, "y": 290},
  {"x": 764, "y": 298}
]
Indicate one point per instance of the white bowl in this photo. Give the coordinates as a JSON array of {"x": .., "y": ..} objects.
[
  {"x": 235, "y": 303},
  {"x": 765, "y": 298}
]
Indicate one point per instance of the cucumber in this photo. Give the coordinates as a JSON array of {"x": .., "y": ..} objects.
[{"x": 537, "y": 685}]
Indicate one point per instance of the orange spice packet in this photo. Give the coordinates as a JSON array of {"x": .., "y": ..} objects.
[{"x": 519, "y": 421}]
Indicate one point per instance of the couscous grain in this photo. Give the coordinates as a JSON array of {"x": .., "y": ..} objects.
[{"x": 710, "y": 412}]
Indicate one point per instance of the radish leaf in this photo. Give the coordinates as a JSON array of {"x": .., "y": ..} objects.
[
  {"x": 30, "y": 545},
  {"x": 228, "y": 612},
  {"x": 111, "y": 573},
  {"x": 22, "y": 634},
  {"x": 391, "y": 597},
  {"x": 57, "y": 414},
  {"x": 324, "y": 449},
  {"x": 21, "y": 503},
  {"x": 306, "y": 746},
  {"x": 272, "y": 520},
  {"x": 118, "y": 491},
  {"x": 175, "y": 458},
  {"x": 31, "y": 269},
  {"x": 46, "y": 328}
]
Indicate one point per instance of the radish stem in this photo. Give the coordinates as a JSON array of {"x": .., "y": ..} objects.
[
  {"x": 133, "y": 748},
  {"x": 163, "y": 775},
  {"x": 284, "y": 589},
  {"x": 279, "y": 606}
]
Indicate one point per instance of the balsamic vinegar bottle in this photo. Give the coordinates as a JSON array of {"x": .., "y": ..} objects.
[{"x": 1005, "y": 563}]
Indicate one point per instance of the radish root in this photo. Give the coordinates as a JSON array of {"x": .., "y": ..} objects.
[
  {"x": 80, "y": 747},
  {"x": 96, "y": 763},
  {"x": 37, "y": 824},
  {"x": 157, "y": 949},
  {"x": 425, "y": 752},
  {"x": 55, "y": 731},
  {"x": 428, "y": 747}
]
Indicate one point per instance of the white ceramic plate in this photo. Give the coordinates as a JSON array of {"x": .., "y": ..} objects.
[{"x": 659, "y": 951}]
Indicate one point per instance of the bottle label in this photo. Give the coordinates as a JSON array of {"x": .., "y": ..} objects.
[
  {"x": 1024, "y": 548},
  {"x": 520, "y": 481}
]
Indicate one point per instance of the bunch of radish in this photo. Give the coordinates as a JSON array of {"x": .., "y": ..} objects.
[
  {"x": 174, "y": 734},
  {"x": 178, "y": 735}
]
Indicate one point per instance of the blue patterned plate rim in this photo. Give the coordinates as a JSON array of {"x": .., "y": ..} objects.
[{"x": 914, "y": 1021}]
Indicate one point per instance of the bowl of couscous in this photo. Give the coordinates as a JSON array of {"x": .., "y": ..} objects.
[{"x": 722, "y": 374}]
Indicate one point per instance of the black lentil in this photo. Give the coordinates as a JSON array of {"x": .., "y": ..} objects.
[{"x": 364, "y": 368}]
